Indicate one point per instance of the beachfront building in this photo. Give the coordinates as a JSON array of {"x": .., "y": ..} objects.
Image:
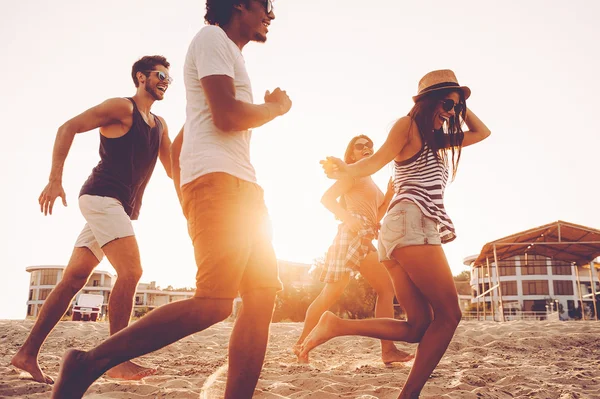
[
  {"x": 295, "y": 274},
  {"x": 546, "y": 269},
  {"x": 148, "y": 296}
]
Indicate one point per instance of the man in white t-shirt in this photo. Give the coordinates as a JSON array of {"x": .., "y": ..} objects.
[{"x": 225, "y": 209}]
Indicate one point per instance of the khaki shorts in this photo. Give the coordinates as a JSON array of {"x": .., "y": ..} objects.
[
  {"x": 229, "y": 226},
  {"x": 106, "y": 221},
  {"x": 405, "y": 225}
]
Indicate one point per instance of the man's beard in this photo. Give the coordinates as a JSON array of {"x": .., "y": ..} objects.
[{"x": 152, "y": 92}]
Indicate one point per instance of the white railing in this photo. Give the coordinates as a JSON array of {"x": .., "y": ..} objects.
[{"x": 509, "y": 315}]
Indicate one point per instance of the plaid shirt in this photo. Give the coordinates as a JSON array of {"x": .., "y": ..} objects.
[{"x": 348, "y": 250}]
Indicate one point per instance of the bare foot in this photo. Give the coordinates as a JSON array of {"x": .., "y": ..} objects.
[
  {"x": 297, "y": 349},
  {"x": 395, "y": 355},
  {"x": 75, "y": 376},
  {"x": 130, "y": 371},
  {"x": 30, "y": 364},
  {"x": 323, "y": 332}
]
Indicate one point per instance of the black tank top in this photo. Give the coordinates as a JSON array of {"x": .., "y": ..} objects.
[{"x": 126, "y": 164}]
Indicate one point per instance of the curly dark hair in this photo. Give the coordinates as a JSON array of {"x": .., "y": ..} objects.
[
  {"x": 219, "y": 12},
  {"x": 147, "y": 63}
]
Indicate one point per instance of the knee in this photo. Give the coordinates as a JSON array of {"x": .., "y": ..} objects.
[
  {"x": 223, "y": 310},
  {"x": 449, "y": 317},
  {"x": 74, "y": 282},
  {"x": 132, "y": 274},
  {"x": 419, "y": 327}
]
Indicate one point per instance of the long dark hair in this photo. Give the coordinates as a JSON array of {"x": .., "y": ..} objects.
[{"x": 446, "y": 145}]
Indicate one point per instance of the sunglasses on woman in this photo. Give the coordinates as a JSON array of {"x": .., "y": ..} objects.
[
  {"x": 162, "y": 76},
  {"x": 268, "y": 6},
  {"x": 449, "y": 103},
  {"x": 360, "y": 146}
]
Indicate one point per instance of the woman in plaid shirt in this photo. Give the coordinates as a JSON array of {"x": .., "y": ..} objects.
[{"x": 360, "y": 208}]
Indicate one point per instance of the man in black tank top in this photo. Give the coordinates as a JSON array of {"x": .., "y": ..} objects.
[{"x": 131, "y": 140}]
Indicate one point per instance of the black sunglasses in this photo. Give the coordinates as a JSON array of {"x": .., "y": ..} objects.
[
  {"x": 360, "y": 146},
  {"x": 269, "y": 6},
  {"x": 449, "y": 103},
  {"x": 162, "y": 76}
]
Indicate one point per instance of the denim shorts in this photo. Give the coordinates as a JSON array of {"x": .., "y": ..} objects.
[{"x": 405, "y": 225}]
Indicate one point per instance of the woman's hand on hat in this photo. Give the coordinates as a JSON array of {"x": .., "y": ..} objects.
[{"x": 334, "y": 168}]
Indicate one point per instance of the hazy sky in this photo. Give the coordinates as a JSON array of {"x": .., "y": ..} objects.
[{"x": 350, "y": 67}]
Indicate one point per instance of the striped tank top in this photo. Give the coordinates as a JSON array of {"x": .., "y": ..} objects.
[{"x": 422, "y": 179}]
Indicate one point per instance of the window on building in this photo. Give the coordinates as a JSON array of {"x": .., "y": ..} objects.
[
  {"x": 49, "y": 277},
  {"x": 535, "y": 287},
  {"x": 538, "y": 305},
  {"x": 29, "y": 310},
  {"x": 561, "y": 269},
  {"x": 534, "y": 270},
  {"x": 43, "y": 293},
  {"x": 484, "y": 287},
  {"x": 563, "y": 287},
  {"x": 31, "y": 295},
  {"x": 509, "y": 287},
  {"x": 534, "y": 265},
  {"x": 96, "y": 283},
  {"x": 508, "y": 270}
]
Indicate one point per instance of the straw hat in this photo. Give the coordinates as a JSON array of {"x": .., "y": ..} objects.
[{"x": 438, "y": 80}]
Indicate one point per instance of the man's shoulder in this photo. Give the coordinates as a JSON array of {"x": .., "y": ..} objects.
[
  {"x": 119, "y": 105},
  {"x": 210, "y": 32}
]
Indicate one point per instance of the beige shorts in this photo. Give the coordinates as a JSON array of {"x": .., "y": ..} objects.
[
  {"x": 405, "y": 225},
  {"x": 106, "y": 221}
]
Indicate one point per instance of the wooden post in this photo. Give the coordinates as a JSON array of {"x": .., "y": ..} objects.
[
  {"x": 579, "y": 291},
  {"x": 593, "y": 289},
  {"x": 484, "y": 290},
  {"x": 501, "y": 307},
  {"x": 478, "y": 293},
  {"x": 491, "y": 292}
]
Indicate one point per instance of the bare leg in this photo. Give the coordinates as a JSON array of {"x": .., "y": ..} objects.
[
  {"x": 428, "y": 269},
  {"x": 157, "y": 329},
  {"x": 76, "y": 274},
  {"x": 423, "y": 283},
  {"x": 248, "y": 343},
  {"x": 378, "y": 277},
  {"x": 417, "y": 309},
  {"x": 124, "y": 256},
  {"x": 326, "y": 298}
]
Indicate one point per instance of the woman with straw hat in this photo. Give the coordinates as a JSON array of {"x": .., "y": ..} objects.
[{"x": 425, "y": 146}]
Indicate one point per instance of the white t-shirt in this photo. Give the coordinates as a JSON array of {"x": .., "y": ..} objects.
[{"x": 206, "y": 148}]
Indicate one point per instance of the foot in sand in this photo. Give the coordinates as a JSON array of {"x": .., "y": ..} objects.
[
  {"x": 323, "y": 332},
  {"x": 395, "y": 355},
  {"x": 130, "y": 371},
  {"x": 76, "y": 374},
  {"x": 297, "y": 349},
  {"x": 30, "y": 364}
]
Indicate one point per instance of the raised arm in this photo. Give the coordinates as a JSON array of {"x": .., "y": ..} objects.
[
  {"x": 232, "y": 115},
  {"x": 111, "y": 112},
  {"x": 397, "y": 139},
  {"x": 164, "y": 153},
  {"x": 477, "y": 132}
]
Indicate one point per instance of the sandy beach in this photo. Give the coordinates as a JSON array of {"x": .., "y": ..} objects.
[{"x": 521, "y": 359}]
